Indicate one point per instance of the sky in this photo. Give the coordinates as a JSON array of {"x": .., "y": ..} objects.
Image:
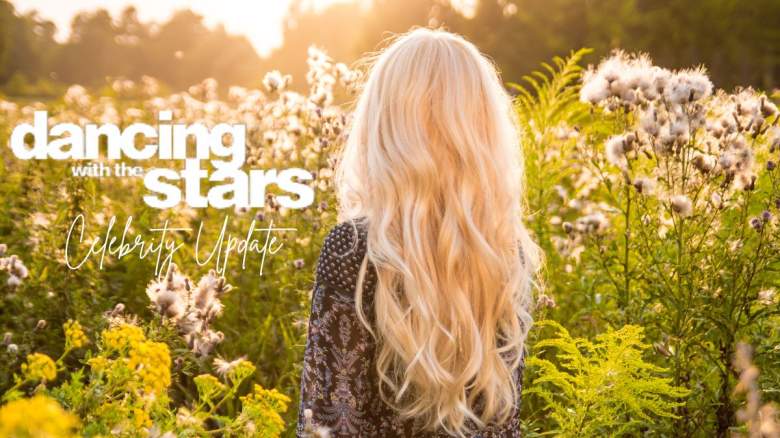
[{"x": 259, "y": 20}]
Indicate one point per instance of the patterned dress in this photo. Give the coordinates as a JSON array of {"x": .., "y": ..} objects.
[{"x": 339, "y": 383}]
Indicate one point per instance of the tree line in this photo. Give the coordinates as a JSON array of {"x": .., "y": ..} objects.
[
  {"x": 179, "y": 52},
  {"x": 738, "y": 41}
]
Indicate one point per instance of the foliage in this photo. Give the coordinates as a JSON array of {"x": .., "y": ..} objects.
[
  {"x": 599, "y": 388},
  {"x": 545, "y": 111},
  {"x": 122, "y": 387},
  {"x": 655, "y": 199}
]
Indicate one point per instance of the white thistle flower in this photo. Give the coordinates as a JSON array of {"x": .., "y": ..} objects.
[
  {"x": 204, "y": 343},
  {"x": 169, "y": 295},
  {"x": 773, "y": 138},
  {"x": 688, "y": 86},
  {"x": 681, "y": 205},
  {"x": 716, "y": 200},
  {"x": 19, "y": 269},
  {"x": 680, "y": 129},
  {"x": 659, "y": 81},
  {"x": 223, "y": 367},
  {"x": 614, "y": 67},
  {"x": 274, "y": 81},
  {"x": 592, "y": 223},
  {"x": 13, "y": 281},
  {"x": 648, "y": 121},
  {"x": 78, "y": 96},
  {"x": 644, "y": 185},
  {"x": 704, "y": 163},
  {"x": 615, "y": 150},
  {"x": 700, "y": 83},
  {"x": 665, "y": 141},
  {"x": 170, "y": 303},
  {"x": 594, "y": 88}
]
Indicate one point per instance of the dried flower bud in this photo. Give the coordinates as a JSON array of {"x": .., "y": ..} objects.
[
  {"x": 13, "y": 281},
  {"x": 681, "y": 205},
  {"x": 568, "y": 227},
  {"x": 615, "y": 150},
  {"x": 275, "y": 81},
  {"x": 771, "y": 165},
  {"x": 643, "y": 185},
  {"x": 170, "y": 304},
  {"x": 768, "y": 108},
  {"x": 7, "y": 337},
  {"x": 545, "y": 301},
  {"x": 41, "y": 324},
  {"x": 704, "y": 163},
  {"x": 118, "y": 309},
  {"x": 592, "y": 223},
  {"x": 743, "y": 181}
]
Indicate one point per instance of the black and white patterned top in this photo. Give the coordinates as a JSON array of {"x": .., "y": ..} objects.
[{"x": 339, "y": 383}]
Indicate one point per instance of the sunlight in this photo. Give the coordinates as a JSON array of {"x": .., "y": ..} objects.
[
  {"x": 466, "y": 7},
  {"x": 247, "y": 20},
  {"x": 261, "y": 21}
]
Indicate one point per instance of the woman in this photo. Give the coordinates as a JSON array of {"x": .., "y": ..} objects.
[{"x": 422, "y": 300}]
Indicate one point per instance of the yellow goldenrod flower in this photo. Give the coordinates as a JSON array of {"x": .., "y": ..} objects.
[
  {"x": 152, "y": 364},
  {"x": 263, "y": 407},
  {"x": 74, "y": 335},
  {"x": 122, "y": 337},
  {"x": 140, "y": 418},
  {"x": 39, "y": 367},
  {"x": 39, "y": 416},
  {"x": 209, "y": 387},
  {"x": 98, "y": 364}
]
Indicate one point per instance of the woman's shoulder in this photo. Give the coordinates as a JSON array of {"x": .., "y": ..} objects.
[{"x": 342, "y": 255}]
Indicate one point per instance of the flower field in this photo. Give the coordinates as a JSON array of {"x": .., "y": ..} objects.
[{"x": 655, "y": 197}]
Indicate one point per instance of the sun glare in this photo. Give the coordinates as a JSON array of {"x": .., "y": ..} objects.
[
  {"x": 466, "y": 7},
  {"x": 261, "y": 21}
]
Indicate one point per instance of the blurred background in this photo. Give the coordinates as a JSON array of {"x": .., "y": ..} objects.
[{"x": 48, "y": 44}]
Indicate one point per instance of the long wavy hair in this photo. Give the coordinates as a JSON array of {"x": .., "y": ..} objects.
[{"x": 432, "y": 165}]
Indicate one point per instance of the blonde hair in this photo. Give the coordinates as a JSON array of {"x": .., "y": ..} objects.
[{"x": 432, "y": 164}]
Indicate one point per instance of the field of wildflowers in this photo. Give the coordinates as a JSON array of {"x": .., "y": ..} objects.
[{"x": 655, "y": 197}]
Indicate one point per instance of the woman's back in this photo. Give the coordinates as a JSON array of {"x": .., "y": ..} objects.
[
  {"x": 421, "y": 312},
  {"x": 339, "y": 381}
]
